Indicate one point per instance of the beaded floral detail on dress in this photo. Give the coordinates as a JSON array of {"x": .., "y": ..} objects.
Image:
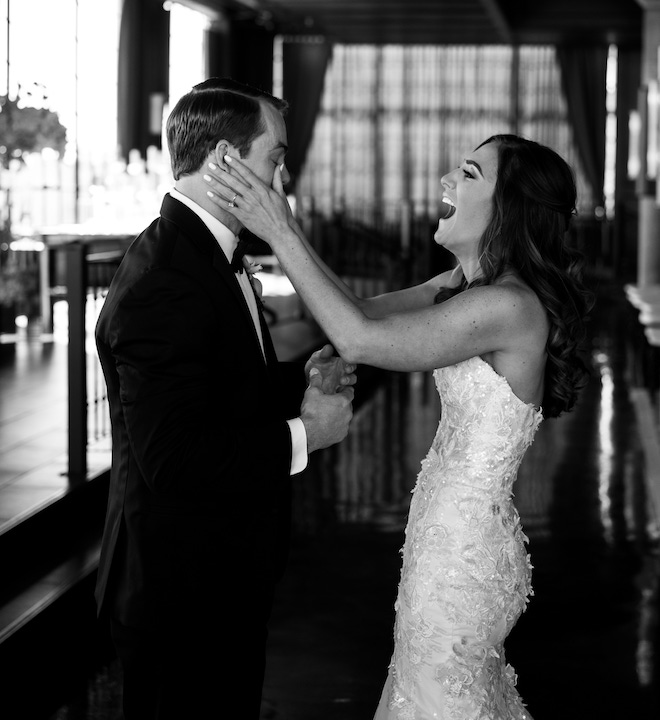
[{"x": 466, "y": 574}]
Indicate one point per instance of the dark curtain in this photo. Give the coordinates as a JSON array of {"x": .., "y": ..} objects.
[
  {"x": 142, "y": 72},
  {"x": 304, "y": 62},
  {"x": 250, "y": 56},
  {"x": 583, "y": 71},
  {"x": 128, "y": 86},
  {"x": 629, "y": 63},
  {"x": 218, "y": 41}
]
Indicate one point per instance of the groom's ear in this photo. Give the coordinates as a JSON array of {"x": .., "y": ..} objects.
[{"x": 222, "y": 148}]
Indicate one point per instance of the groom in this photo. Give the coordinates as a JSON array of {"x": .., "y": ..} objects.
[{"x": 207, "y": 428}]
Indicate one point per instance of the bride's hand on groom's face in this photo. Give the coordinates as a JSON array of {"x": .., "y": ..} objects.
[
  {"x": 237, "y": 190},
  {"x": 336, "y": 374}
]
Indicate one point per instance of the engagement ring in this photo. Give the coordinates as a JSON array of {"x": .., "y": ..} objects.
[{"x": 231, "y": 202}]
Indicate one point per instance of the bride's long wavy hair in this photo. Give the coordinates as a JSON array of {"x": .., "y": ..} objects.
[{"x": 534, "y": 201}]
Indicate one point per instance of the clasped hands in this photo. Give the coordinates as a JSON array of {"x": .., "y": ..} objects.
[
  {"x": 327, "y": 408},
  {"x": 332, "y": 374}
]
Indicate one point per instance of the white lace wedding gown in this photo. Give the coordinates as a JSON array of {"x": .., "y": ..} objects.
[{"x": 466, "y": 574}]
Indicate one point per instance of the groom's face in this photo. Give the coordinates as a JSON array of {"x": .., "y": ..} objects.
[{"x": 268, "y": 150}]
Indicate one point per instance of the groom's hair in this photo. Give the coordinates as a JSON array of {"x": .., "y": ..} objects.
[{"x": 218, "y": 108}]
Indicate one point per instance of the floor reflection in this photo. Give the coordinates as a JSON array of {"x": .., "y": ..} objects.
[{"x": 368, "y": 477}]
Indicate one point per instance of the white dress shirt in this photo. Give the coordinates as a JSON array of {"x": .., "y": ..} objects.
[{"x": 228, "y": 241}]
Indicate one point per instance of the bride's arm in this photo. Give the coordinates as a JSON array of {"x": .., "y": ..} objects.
[
  {"x": 417, "y": 296},
  {"x": 472, "y": 323},
  {"x": 411, "y": 298},
  {"x": 378, "y": 306}
]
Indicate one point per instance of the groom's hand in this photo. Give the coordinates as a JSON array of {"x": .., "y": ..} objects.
[
  {"x": 326, "y": 417},
  {"x": 336, "y": 374}
]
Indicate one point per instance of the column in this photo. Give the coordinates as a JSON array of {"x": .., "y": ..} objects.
[{"x": 648, "y": 253}]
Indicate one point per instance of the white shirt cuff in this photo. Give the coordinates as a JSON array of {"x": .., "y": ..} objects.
[{"x": 298, "y": 445}]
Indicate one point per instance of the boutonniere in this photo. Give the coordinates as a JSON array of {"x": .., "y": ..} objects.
[{"x": 251, "y": 268}]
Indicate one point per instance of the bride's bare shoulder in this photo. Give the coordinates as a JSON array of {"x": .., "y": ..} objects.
[{"x": 525, "y": 306}]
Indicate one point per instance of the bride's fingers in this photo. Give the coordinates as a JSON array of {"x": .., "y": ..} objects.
[
  {"x": 237, "y": 168},
  {"x": 278, "y": 186},
  {"x": 222, "y": 201},
  {"x": 222, "y": 193},
  {"x": 262, "y": 192},
  {"x": 235, "y": 184}
]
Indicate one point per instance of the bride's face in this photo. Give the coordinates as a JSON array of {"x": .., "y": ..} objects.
[{"x": 469, "y": 188}]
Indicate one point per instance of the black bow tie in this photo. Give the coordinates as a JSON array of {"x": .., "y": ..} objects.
[{"x": 237, "y": 257}]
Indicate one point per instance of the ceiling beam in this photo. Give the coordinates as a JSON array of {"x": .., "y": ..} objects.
[{"x": 492, "y": 7}]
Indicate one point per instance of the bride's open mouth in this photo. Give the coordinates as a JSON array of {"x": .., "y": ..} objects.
[{"x": 447, "y": 208}]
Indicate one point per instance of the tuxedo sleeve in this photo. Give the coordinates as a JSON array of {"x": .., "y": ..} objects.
[{"x": 294, "y": 383}]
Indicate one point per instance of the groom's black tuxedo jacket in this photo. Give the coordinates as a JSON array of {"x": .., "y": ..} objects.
[{"x": 199, "y": 502}]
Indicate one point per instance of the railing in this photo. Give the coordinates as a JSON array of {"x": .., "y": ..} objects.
[
  {"x": 383, "y": 255},
  {"x": 80, "y": 267}
]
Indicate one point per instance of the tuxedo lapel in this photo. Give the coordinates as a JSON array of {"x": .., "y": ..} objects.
[
  {"x": 202, "y": 239},
  {"x": 269, "y": 349},
  {"x": 224, "y": 269}
]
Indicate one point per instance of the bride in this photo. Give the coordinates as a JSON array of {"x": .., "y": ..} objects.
[{"x": 501, "y": 333}]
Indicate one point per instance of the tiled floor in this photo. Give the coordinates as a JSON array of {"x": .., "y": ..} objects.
[{"x": 587, "y": 647}]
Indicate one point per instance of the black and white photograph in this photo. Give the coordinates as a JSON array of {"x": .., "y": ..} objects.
[{"x": 329, "y": 360}]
